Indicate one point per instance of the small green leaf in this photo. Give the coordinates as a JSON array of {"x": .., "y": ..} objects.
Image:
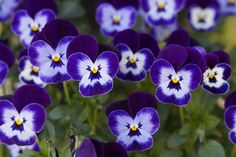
[
  {"x": 169, "y": 153},
  {"x": 212, "y": 122},
  {"x": 211, "y": 149},
  {"x": 175, "y": 140}
]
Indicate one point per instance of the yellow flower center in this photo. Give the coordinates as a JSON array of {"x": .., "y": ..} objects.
[
  {"x": 18, "y": 122},
  {"x": 132, "y": 60},
  {"x": 94, "y": 70},
  {"x": 35, "y": 69},
  {"x": 35, "y": 28},
  {"x": 56, "y": 59},
  {"x": 161, "y": 6},
  {"x": 211, "y": 76},
  {"x": 175, "y": 80},
  {"x": 134, "y": 128},
  {"x": 116, "y": 19}
]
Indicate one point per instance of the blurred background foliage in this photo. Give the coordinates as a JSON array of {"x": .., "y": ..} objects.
[{"x": 197, "y": 130}]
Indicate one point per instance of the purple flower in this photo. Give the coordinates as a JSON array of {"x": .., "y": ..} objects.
[
  {"x": 137, "y": 51},
  {"x": 176, "y": 76},
  {"x": 6, "y": 8},
  {"x": 93, "y": 148},
  {"x": 94, "y": 73},
  {"x": 218, "y": 72},
  {"x": 230, "y": 115},
  {"x": 7, "y": 60},
  {"x": 25, "y": 26},
  {"x": 29, "y": 73},
  {"x": 20, "y": 127},
  {"x": 48, "y": 51},
  {"x": 161, "y": 12},
  {"x": 16, "y": 151},
  {"x": 228, "y": 7},
  {"x": 112, "y": 20},
  {"x": 134, "y": 122},
  {"x": 203, "y": 14}
]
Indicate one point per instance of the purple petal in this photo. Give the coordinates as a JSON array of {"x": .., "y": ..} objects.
[
  {"x": 63, "y": 45},
  {"x": 227, "y": 70},
  {"x": 113, "y": 149},
  {"x": 86, "y": 149},
  {"x": 229, "y": 116},
  {"x": 3, "y": 71},
  {"x": 147, "y": 41},
  {"x": 30, "y": 94},
  {"x": 122, "y": 105},
  {"x": 103, "y": 12},
  {"x": 158, "y": 68},
  {"x": 196, "y": 75},
  {"x": 128, "y": 37},
  {"x": 223, "y": 56},
  {"x": 180, "y": 37},
  {"x": 55, "y": 30},
  {"x": 109, "y": 63},
  {"x": 212, "y": 59},
  {"x": 44, "y": 16},
  {"x": 38, "y": 116},
  {"x": 33, "y": 6},
  {"x": 223, "y": 89},
  {"x": 149, "y": 119},
  {"x": 7, "y": 55},
  {"x": 22, "y": 53},
  {"x": 77, "y": 65},
  {"x": 21, "y": 22},
  {"x": 174, "y": 50},
  {"x": 232, "y": 137},
  {"x": 140, "y": 100},
  {"x": 118, "y": 121},
  {"x": 230, "y": 100},
  {"x": 85, "y": 44},
  {"x": 122, "y": 3},
  {"x": 6, "y": 106},
  {"x": 149, "y": 57}
]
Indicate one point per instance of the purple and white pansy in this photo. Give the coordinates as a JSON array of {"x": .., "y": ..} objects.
[
  {"x": 20, "y": 127},
  {"x": 113, "y": 20},
  {"x": 49, "y": 53},
  {"x": 6, "y": 8},
  {"x": 228, "y": 7},
  {"x": 137, "y": 51},
  {"x": 25, "y": 26},
  {"x": 175, "y": 77},
  {"x": 16, "y": 151},
  {"x": 203, "y": 14},
  {"x": 134, "y": 122},
  {"x": 7, "y": 60},
  {"x": 29, "y": 74},
  {"x": 230, "y": 115},
  {"x": 218, "y": 72},
  {"x": 95, "y": 73},
  {"x": 161, "y": 12}
]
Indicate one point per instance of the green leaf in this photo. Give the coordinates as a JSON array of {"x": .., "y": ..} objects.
[
  {"x": 211, "y": 149},
  {"x": 175, "y": 140},
  {"x": 185, "y": 130},
  {"x": 57, "y": 113},
  {"x": 212, "y": 121},
  {"x": 169, "y": 153}
]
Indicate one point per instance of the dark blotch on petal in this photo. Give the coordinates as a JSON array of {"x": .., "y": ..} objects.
[{"x": 30, "y": 94}]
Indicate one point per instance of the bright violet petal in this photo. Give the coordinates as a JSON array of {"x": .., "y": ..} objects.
[
  {"x": 232, "y": 137},
  {"x": 86, "y": 149},
  {"x": 3, "y": 71},
  {"x": 227, "y": 70},
  {"x": 229, "y": 116},
  {"x": 5, "y": 109}
]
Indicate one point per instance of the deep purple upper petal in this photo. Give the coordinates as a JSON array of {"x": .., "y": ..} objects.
[
  {"x": 30, "y": 94},
  {"x": 39, "y": 115},
  {"x": 223, "y": 56},
  {"x": 230, "y": 100},
  {"x": 128, "y": 37},
  {"x": 113, "y": 149},
  {"x": 147, "y": 41},
  {"x": 118, "y": 105},
  {"x": 175, "y": 54},
  {"x": 180, "y": 37},
  {"x": 22, "y": 53},
  {"x": 139, "y": 100},
  {"x": 84, "y": 43},
  {"x": 7, "y": 55},
  {"x": 55, "y": 30},
  {"x": 86, "y": 149},
  {"x": 212, "y": 59}
]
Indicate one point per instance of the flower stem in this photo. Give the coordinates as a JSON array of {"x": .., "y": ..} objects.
[
  {"x": 181, "y": 115},
  {"x": 66, "y": 93}
]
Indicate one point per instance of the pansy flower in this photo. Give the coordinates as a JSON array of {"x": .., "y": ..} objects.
[
  {"x": 16, "y": 151},
  {"x": 175, "y": 76},
  {"x": 29, "y": 74},
  {"x": 230, "y": 115},
  {"x": 161, "y": 12},
  {"x": 6, "y": 8},
  {"x": 203, "y": 14},
  {"x": 113, "y": 20},
  {"x": 23, "y": 116},
  {"x": 7, "y": 60},
  {"x": 95, "y": 72},
  {"x": 218, "y": 72},
  {"x": 48, "y": 51},
  {"x": 25, "y": 26},
  {"x": 134, "y": 122},
  {"x": 228, "y": 7},
  {"x": 93, "y": 148},
  {"x": 137, "y": 51}
]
